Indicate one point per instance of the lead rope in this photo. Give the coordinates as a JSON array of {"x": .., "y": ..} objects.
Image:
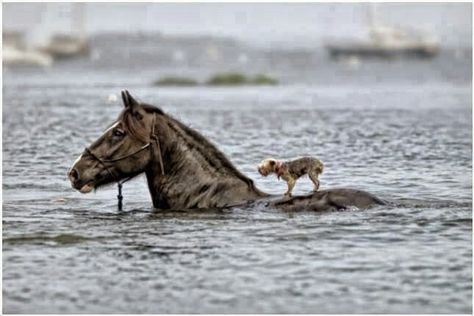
[
  {"x": 119, "y": 196},
  {"x": 120, "y": 183},
  {"x": 159, "y": 155},
  {"x": 157, "y": 140}
]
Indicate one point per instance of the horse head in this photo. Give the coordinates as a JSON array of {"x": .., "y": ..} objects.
[
  {"x": 183, "y": 169},
  {"x": 123, "y": 151}
]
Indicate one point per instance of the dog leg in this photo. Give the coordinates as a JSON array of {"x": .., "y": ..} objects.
[
  {"x": 291, "y": 184},
  {"x": 314, "y": 178}
]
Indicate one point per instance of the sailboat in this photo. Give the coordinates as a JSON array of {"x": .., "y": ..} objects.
[
  {"x": 386, "y": 41},
  {"x": 74, "y": 44},
  {"x": 15, "y": 52}
]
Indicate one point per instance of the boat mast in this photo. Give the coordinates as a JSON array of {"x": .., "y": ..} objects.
[
  {"x": 372, "y": 15},
  {"x": 78, "y": 18}
]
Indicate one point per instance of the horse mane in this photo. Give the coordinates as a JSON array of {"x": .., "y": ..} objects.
[
  {"x": 211, "y": 153},
  {"x": 206, "y": 149},
  {"x": 132, "y": 125}
]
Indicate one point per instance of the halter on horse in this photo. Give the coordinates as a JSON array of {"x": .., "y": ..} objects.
[{"x": 153, "y": 139}]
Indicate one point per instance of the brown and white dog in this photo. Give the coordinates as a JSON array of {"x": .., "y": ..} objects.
[{"x": 291, "y": 170}]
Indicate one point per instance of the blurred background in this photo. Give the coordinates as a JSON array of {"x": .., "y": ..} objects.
[
  {"x": 295, "y": 43},
  {"x": 380, "y": 92}
]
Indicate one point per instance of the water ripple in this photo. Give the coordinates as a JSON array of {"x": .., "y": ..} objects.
[{"x": 413, "y": 255}]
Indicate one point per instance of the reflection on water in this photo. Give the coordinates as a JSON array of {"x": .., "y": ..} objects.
[{"x": 64, "y": 252}]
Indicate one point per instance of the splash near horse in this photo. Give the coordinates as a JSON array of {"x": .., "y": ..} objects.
[{"x": 183, "y": 169}]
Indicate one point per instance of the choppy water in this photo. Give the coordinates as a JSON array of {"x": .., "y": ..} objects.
[{"x": 64, "y": 252}]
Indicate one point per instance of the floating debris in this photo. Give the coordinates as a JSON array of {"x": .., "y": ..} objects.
[{"x": 112, "y": 98}]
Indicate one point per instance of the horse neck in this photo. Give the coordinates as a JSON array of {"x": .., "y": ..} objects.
[{"x": 193, "y": 167}]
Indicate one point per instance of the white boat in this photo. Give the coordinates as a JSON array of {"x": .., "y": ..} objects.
[
  {"x": 14, "y": 56},
  {"x": 73, "y": 44},
  {"x": 63, "y": 46},
  {"x": 15, "y": 52},
  {"x": 386, "y": 41}
]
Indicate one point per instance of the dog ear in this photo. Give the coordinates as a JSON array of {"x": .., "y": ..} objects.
[{"x": 272, "y": 162}]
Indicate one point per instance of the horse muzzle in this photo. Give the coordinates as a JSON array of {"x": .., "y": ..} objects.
[{"x": 78, "y": 184}]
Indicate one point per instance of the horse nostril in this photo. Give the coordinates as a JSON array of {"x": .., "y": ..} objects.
[{"x": 73, "y": 175}]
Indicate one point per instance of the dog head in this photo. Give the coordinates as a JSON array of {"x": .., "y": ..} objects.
[{"x": 267, "y": 166}]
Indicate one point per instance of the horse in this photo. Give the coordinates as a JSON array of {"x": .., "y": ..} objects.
[{"x": 183, "y": 169}]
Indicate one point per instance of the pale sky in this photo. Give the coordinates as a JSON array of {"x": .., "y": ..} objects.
[{"x": 301, "y": 24}]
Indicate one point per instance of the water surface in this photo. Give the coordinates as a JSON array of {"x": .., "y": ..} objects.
[{"x": 64, "y": 252}]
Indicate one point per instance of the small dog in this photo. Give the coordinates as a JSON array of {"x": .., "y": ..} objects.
[{"x": 291, "y": 170}]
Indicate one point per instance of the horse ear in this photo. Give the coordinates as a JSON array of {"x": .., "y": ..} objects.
[
  {"x": 124, "y": 98},
  {"x": 129, "y": 102},
  {"x": 132, "y": 103}
]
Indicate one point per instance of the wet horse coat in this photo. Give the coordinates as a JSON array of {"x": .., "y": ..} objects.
[{"x": 183, "y": 169}]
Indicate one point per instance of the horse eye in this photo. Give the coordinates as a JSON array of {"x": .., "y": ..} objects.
[{"x": 118, "y": 133}]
